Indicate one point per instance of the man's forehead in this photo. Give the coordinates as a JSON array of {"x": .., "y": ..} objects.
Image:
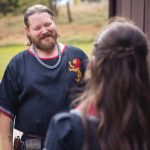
[
  {"x": 41, "y": 14},
  {"x": 37, "y": 17}
]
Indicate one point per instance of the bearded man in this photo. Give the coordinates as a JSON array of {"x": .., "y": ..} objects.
[{"x": 36, "y": 82}]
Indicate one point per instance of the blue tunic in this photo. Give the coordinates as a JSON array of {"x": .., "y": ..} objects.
[{"x": 32, "y": 94}]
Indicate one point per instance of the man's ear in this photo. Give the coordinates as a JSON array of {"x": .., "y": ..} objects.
[
  {"x": 26, "y": 30},
  {"x": 93, "y": 60}
]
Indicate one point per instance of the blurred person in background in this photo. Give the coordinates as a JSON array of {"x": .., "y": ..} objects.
[
  {"x": 36, "y": 83},
  {"x": 114, "y": 109}
]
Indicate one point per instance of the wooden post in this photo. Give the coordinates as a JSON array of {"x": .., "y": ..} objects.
[
  {"x": 69, "y": 12},
  {"x": 112, "y": 8}
]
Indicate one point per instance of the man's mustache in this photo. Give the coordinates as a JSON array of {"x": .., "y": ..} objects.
[{"x": 47, "y": 35}]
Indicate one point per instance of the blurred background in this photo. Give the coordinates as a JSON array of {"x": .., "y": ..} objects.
[{"x": 78, "y": 22}]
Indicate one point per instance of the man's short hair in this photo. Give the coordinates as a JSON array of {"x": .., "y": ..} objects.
[{"x": 36, "y": 9}]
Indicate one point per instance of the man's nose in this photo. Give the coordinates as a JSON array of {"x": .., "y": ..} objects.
[{"x": 44, "y": 30}]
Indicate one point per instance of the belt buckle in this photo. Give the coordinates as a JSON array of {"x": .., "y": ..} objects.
[{"x": 33, "y": 144}]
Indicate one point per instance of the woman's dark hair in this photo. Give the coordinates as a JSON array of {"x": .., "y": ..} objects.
[{"x": 118, "y": 83}]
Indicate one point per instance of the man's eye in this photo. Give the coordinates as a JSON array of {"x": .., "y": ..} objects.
[
  {"x": 36, "y": 29},
  {"x": 47, "y": 25}
]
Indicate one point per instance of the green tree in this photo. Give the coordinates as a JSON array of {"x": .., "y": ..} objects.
[{"x": 7, "y": 6}]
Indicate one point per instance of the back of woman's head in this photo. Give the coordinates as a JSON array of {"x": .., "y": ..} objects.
[{"x": 118, "y": 78}]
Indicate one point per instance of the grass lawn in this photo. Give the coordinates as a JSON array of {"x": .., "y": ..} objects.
[{"x": 7, "y": 52}]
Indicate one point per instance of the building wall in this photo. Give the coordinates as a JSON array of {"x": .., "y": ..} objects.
[{"x": 136, "y": 10}]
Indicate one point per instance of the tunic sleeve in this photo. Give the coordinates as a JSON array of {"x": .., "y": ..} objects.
[
  {"x": 65, "y": 133},
  {"x": 9, "y": 92}
]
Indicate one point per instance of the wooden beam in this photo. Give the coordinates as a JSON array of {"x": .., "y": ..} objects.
[
  {"x": 147, "y": 19},
  {"x": 126, "y": 8},
  {"x": 137, "y": 14},
  {"x": 112, "y": 8}
]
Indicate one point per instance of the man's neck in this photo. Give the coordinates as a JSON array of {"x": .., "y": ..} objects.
[{"x": 48, "y": 53}]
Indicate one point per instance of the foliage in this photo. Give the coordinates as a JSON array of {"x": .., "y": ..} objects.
[
  {"x": 8, "y": 6},
  {"x": 24, "y": 4},
  {"x": 19, "y": 6}
]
